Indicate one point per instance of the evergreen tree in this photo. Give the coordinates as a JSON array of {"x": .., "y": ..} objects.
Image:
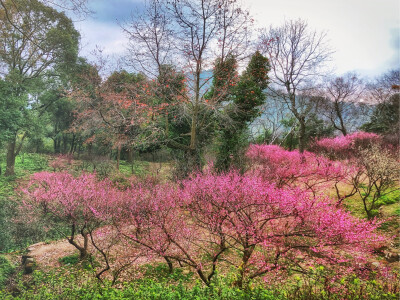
[{"x": 244, "y": 106}]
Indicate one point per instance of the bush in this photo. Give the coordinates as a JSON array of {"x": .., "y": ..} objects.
[
  {"x": 6, "y": 269},
  {"x": 34, "y": 162},
  {"x": 73, "y": 284},
  {"x": 69, "y": 260}
]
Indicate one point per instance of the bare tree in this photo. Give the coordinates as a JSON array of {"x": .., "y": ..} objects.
[
  {"x": 150, "y": 39},
  {"x": 382, "y": 88},
  {"x": 270, "y": 123},
  {"x": 297, "y": 56},
  {"x": 384, "y": 95},
  {"x": 189, "y": 35},
  {"x": 342, "y": 100}
]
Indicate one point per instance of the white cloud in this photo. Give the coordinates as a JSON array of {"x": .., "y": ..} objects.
[
  {"x": 108, "y": 37},
  {"x": 360, "y": 31}
]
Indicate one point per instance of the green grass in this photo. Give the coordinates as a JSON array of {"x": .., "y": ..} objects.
[
  {"x": 69, "y": 260},
  {"x": 390, "y": 198},
  {"x": 28, "y": 163},
  {"x": 70, "y": 282},
  {"x": 139, "y": 168}
]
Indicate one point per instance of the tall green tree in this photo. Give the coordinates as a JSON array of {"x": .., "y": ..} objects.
[
  {"x": 36, "y": 43},
  {"x": 245, "y": 100},
  {"x": 385, "y": 118}
]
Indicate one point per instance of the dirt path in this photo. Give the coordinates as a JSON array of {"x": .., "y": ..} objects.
[{"x": 48, "y": 254}]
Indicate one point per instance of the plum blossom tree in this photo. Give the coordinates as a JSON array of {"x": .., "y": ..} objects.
[
  {"x": 82, "y": 203},
  {"x": 209, "y": 221},
  {"x": 343, "y": 147},
  {"x": 375, "y": 166},
  {"x": 273, "y": 229},
  {"x": 291, "y": 168}
]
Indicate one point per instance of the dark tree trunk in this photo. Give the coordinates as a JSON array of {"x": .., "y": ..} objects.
[
  {"x": 340, "y": 116},
  {"x": 247, "y": 252},
  {"x": 118, "y": 156},
  {"x": 56, "y": 145},
  {"x": 90, "y": 148},
  {"x": 10, "y": 158},
  {"x": 65, "y": 143},
  {"x": 189, "y": 163},
  {"x": 71, "y": 149},
  {"x": 129, "y": 158},
  {"x": 302, "y": 135}
]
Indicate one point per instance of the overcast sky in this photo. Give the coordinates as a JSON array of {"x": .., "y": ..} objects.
[{"x": 365, "y": 34}]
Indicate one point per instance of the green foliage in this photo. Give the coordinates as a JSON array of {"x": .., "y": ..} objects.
[
  {"x": 385, "y": 118},
  {"x": 74, "y": 260},
  {"x": 258, "y": 69},
  {"x": 33, "y": 162},
  {"x": 397, "y": 212},
  {"x": 224, "y": 79},
  {"x": 6, "y": 270},
  {"x": 246, "y": 98},
  {"x": 70, "y": 259},
  {"x": 315, "y": 129},
  {"x": 70, "y": 284},
  {"x": 47, "y": 44},
  {"x": 316, "y": 285},
  {"x": 390, "y": 198},
  {"x": 12, "y": 111},
  {"x": 157, "y": 283},
  {"x": 136, "y": 168},
  {"x": 119, "y": 80}
]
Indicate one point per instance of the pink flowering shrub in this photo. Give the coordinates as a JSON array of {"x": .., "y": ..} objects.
[
  {"x": 375, "y": 166},
  {"x": 82, "y": 202},
  {"x": 345, "y": 146},
  {"x": 291, "y": 168},
  {"x": 273, "y": 229},
  {"x": 150, "y": 219},
  {"x": 206, "y": 222}
]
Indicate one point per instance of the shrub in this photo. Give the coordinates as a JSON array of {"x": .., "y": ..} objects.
[
  {"x": 273, "y": 229},
  {"x": 206, "y": 222},
  {"x": 75, "y": 201},
  {"x": 343, "y": 147},
  {"x": 6, "y": 270},
  {"x": 294, "y": 169},
  {"x": 375, "y": 166}
]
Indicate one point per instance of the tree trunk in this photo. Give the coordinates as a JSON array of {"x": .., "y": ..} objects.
[
  {"x": 90, "y": 148},
  {"x": 129, "y": 157},
  {"x": 302, "y": 134},
  {"x": 65, "y": 143},
  {"x": 118, "y": 156},
  {"x": 71, "y": 150},
  {"x": 169, "y": 263},
  {"x": 56, "y": 145},
  {"x": 339, "y": 114},
  {"x": 10, "y": 158},
  {"x": 247, "y": 252},
  {"x": 193, "y": 161}
]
